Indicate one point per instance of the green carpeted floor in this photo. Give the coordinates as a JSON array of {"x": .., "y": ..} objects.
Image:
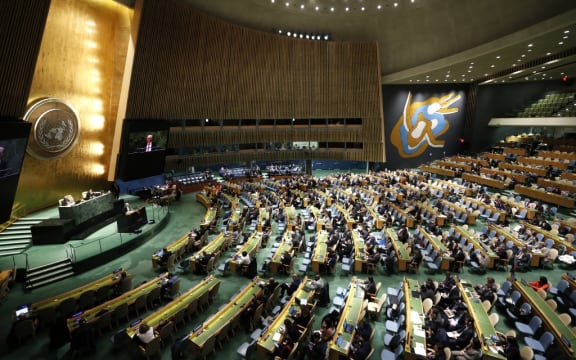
[{"x": 185, "y": 215}]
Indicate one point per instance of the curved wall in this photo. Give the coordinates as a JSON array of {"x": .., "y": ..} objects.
[{"x": 188, "y": 65}]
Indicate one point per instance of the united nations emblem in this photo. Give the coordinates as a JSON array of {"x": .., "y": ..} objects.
[{"x": 55, "y": 128}]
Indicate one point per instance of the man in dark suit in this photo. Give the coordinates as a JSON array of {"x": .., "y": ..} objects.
[
  {"x": 290, "y": 287},
  {"x": 361, "y": 350}
]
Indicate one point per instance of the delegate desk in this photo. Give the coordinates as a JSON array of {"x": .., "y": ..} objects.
[
  {"x": 523, "y": 168},
  {"x": 542, "y": 163},
  {"x": 325, "y": 196},
  {"x": 87, "y": 210},
  {"x": 564, "y": 337},
  {"x": 359, "y": 251},
  {"x": 204, "y": 198},
  {"x": 432, "y": 212},
  {"x": 250, "y": 246},
  {"x": 226, "y": 315},
  {"x": 273, "y": 334},
  {"x": 54, "y": 301},
  {"x": 349, "y": 219},
  {"x": 263, "y": 217},
  {"x": 93, "y": 314},
  {"x": 209, "y": 217},
  {"x": 454, "y": 164},
  {"x": 440, "y": 248},
  {"x": 401, "y": 253},
  {"x": 285, "y": 246},
  {"x": 545, "y": 196},
  {"x": 521, "y": 178},
  {"x": 410, "y": 221},
  {"x": 563, "y": 185},
  {"x": 351, "y": 315},
  {"x": 234, "y": 219},
  {"x": 291, "y": 214},
  {"x": 482, "y": 324},
  {"x": 212, "y": 248},
  {"x": 438, "y": 170},
  {"x": 497, "y": 184},
  {"x": 415, "y": 345},
  {"x": 131, "y": 221},
  {"x": 319, "y": 257},
  {"x": 505, "y": 236},
  {"x": 167, "y": 312},
  {"x": 486, "y": 251},
  {"x": 319, "y": 222},
  {"x": 548, "y": 235},
  {"x": 174, "y": 248}
]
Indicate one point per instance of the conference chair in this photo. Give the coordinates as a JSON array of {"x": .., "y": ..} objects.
[
  {"x": 166, "y": 333},
  {"x": 392, "y": 355},
  {"x": 540, "y": 345},
  {"x": 531, "y": 328},
  {"x": 151, "y": 349}
]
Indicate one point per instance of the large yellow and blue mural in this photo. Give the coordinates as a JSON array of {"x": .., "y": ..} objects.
[{"x": 422, "y": 124}]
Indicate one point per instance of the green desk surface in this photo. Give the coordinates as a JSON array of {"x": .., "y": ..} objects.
[
  {"x": 320, "y": 250},
  {"x": 482, "y": 323},
  {"x": 168, "y": 311},
  {"x": 415, "y": 333},
  {"x": 54, "y": 301},
  {"x": 351, "y": 314},
  {"x": 549, "y": 317},
  {"x": 208, "y": 217},
  {"x": 174, "y": 247},
  {"x": 211, "y": 326},
  {"x": 250, "y": 246},
  {"x": 399, "y": 247},
  {"x": 266, "y": 340},
  {"x": 129, "y": 297},
  {"x": 477, "y": 245},
  {"x": 284, "y": 246},
  {"x": 359, "y": 246}
]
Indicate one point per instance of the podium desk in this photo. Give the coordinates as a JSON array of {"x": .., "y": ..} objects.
[{"x": 132, "y": 221}]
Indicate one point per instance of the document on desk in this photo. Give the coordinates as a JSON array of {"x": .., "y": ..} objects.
[
  {"x": 419, "y": 332},
  {"x": 419, "y": 349},
  {"x": 415, "y": 317}
]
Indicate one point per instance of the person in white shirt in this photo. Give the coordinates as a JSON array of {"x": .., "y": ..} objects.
[
  {"x": 149, "y": 143},
  {"x": 145, "y": 334},
  {"x": 244, "y": 259}
]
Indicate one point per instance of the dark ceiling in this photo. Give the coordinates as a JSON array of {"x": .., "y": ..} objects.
[{"x": 430, "y": 41}]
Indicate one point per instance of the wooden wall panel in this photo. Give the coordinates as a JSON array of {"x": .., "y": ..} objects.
[
  {"x": 21, "y": 30},
  {"x": 191, "y": 66}
]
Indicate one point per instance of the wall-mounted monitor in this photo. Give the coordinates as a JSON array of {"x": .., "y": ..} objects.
[
  {"x": 13, "y": 141},
  {"x": 143, "y": 148}
]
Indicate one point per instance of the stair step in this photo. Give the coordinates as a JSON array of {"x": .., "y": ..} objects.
[
  {"x": 50, "y": 280},
  {"x": 8, "y": 237},
  {"x": 48, "y": 267},
  {"x": 47, "y": 275},
  {"x": 10, "y": 253},
  {"x": 15, "y": 246}
]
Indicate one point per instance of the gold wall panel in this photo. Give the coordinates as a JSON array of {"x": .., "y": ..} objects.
[{"x": 81, "y": 58}]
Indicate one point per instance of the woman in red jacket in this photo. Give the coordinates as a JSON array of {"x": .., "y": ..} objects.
[{"x": 541, "y": 284}]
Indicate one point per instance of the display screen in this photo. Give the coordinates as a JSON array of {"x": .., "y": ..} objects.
[
  {"x": 13, "y": 141},
  {"x": 143, "y": 148}
]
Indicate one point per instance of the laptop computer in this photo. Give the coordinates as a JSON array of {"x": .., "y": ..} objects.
[
  {"x": 22, "y": 310},
  {"x": 342, "y": 343},
  {"x": 348, "y": 327}
]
